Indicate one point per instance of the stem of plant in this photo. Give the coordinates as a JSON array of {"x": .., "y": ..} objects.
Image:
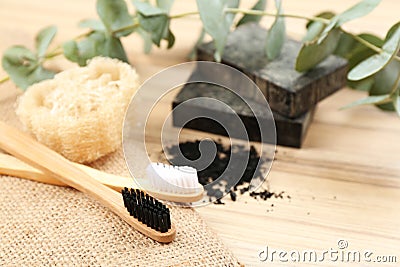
[
  {"x": 262, "y": 13},
  {"x": 178, "y": 16},
  {"x": 4, "y": 79}
]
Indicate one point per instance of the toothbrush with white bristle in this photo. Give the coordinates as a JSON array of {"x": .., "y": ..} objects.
[{"x": 180, "y": 180}]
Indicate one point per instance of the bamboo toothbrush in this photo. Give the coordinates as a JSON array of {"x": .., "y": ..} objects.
[
  {"x": 155, "y": 186},
  {"x": 145, "y": 214}
]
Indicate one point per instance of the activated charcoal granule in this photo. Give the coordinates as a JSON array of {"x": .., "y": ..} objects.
[{"x": 190, "y": 151}]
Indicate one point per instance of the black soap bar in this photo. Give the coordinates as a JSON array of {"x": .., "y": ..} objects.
[
  {"x": 289, "y": 132},
  {"x": 288, "y": 92}
]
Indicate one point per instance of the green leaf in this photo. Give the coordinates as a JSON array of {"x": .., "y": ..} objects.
[
  {"x": 146, "y": 9},
  {"x": 385, "y": 80},
  {"x": 276, "y": 35},
  {"x": 96, "y": 44},
  {"x": 359, "y": 10},
  {"x": 71, "y": 52},
  {"x": 360, "y": 52},
  {"x": 354, "y": 51},
  {"x": 147, "y": 42},
  {"x": 170, "y": 38},
  {"x": 312, "y": 54},
  {"x": 376, "y": 62},
  {"x": 396, "y": 102},
  {"x": 314, "y": 28},
  {"x": 44, "y": 38},
  {"x": 259, "y": 5},
  {"x": 93, "y": 24},
  {"x": 216, "y": 22},
  {"x": 362, "y": 85},
  {"x": 392, "y": 30},
  {"x": 113, "y": 48},
  {"x": 155, "y": 26},
  {"x": 22, "y": 65},
  {"x": 324, "y": 15},
  {"x": 367, "y": 100},
  {"x": 165, "y": 4},
  {"x": 114, "y": 15}
]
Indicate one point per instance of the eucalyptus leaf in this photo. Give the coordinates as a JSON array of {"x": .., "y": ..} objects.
[
  {"x": 385, "y": 80},
  {"x": 392, "y": 30},
  {"x": 165, "y": 4},
  {"x": 155, "y": 26},
  {"x": 368, "y": 100},
  {"x": 146, "y": 9},
  {"x": 113, "y": 48},
  {"x": 314, "y": 28},
  {"x": 354, "y": 51},
  {"x": 360, "y": 52},
  {"x": 44, "y": 38},
  {"x": 216, "y": 21},
  {"x": 259, "y": 5},
  {"x": 114, "y": 15},
  {"x": 96, "y": 44},
  {"x": 359, "y": 10},
  {"x": 396, "y": 102},
  {"x": 376, "y": 62},
  {"x": 170, "y": 38},
  {"x": 22, "y": 65},
  {"x": 93, "y": 24},
  {"x": 147, "y": 42},
  {"x": 324, "y": 15},
  {"x": 71, "y": 52},
  {"x": 312, "y": 54},
  {"x": 362, "y": 85},
  {"x": 276, "y": 34}
]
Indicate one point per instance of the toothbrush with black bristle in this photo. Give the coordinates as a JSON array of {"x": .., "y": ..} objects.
[{"x": 144, "y": 213}]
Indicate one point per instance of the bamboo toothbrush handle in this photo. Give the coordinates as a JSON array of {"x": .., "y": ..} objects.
[{"x": 39, "y": 156}]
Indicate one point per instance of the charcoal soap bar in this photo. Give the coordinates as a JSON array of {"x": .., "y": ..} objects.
[
  {"x": 289, "y": 132},
  {"x": 288, "y": 92}
]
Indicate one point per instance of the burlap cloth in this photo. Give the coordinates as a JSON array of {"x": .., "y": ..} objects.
[{"x": 45, "y": 225}]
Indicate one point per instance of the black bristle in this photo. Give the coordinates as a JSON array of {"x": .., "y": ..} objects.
[
  {"x": 155, "y": 221},
  {"x": 164, "y": 223},
  {"x": 147, "y": 209}
]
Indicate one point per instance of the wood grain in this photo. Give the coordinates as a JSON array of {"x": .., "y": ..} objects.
[{"x": 345, "y": 181}]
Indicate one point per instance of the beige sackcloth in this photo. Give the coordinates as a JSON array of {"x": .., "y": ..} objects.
[{"x": 45, "y": 225}]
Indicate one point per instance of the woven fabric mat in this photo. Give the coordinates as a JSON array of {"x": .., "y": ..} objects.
[{"x": 45, "y": 225}]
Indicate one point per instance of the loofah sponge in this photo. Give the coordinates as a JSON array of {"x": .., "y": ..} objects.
[{"x": 80, "y": 112}]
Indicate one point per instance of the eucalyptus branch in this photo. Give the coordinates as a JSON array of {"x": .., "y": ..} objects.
[
  {"x": 4, "y": 79},
  {"x": 129, "y": 27},
  {"x": 269, "y": 14},
  {"x": 182, "y": 15}
]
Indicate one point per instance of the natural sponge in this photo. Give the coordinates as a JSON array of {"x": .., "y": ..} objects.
[{"x": 80, "y": 112}]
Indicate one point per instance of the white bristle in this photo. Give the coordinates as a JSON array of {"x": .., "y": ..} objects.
[{"x": 173, "y": 179}]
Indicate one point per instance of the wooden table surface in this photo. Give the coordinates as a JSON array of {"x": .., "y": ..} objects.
[{"x": 345, "y": 181}]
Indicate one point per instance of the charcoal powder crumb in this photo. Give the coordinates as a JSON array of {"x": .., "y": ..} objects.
[
  {"x": 233, "y": 195},
  {"x": 190, "y": 151},
  {"x": 219, "y": 202}
]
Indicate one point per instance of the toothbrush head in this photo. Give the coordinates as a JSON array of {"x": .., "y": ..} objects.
[
  {"x": 173, "y": 179},
  {"x": 147, "y": 209}
]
